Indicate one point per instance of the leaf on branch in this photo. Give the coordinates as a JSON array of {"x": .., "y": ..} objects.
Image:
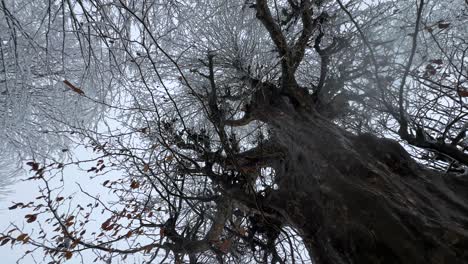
[
  {"x": 134, "y": 185},
  {"x": 146, "y": 167},
  {"x": 443, "y": 25},
  {"x": 462, "y": 92},
  {"x": 148, "y": 248},
  {"x": 430, "y": 70},
  {"x": 34, "y": 165},
  {"x": 26, "y": 239},
  {"x": 4, "y": 241},
  {"x": 75, "y": 243},
  {"x": 22, "y": 237},
  {"x": 13, "y": 207},
  {"x": 107, "y": 226},
  {"x": 68, "y": 255},
  {"x": 437, "y": 61},
  {"x": 31, "y": 218},
  {"x": 129, "y": 234},
  {"x": 73, "y": 87}
]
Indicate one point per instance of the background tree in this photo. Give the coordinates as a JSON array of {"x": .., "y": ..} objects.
[
  {"x": 264, "y": 131},
  {"x": 42, "y": 47}
]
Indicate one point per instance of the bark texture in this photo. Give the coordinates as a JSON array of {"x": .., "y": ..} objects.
[{"x": 363, "y": 199}]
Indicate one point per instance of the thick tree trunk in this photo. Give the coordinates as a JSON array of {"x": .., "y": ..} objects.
[{"x": 361, "y": 199}]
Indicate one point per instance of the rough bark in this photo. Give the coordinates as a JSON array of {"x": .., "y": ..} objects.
[{"x": 363, "y": 199}]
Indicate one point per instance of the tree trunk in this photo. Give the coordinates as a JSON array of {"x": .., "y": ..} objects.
[{"x": 361, "y": 199}]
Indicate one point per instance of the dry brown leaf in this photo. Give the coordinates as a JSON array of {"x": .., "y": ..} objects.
[
  {"x": 134, "y": 185},
  {"x": 148, "y": 248},
  {"x": 21, "y": 237},
  {"x": 443, "y": 25},
  {"x": 73, "y": 87},
  {"x": 31, "y": 218},
  {"x": 26, "y": 239},
  {"x": 75, "y": 243},
  {"x": 68, "y": 255},
  {"x": 106, "y": 225},
  {"x": 4, "y": 241},
  {"x": 129, "y": 234},
  {"x": 146, "y": 168},
  {"x": 463, "y": 93}
]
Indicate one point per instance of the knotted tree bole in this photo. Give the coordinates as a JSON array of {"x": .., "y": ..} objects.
[{"x": 360, "y": 198}]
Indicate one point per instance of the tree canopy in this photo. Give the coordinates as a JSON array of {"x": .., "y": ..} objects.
[{"x": 239, "y": 131}]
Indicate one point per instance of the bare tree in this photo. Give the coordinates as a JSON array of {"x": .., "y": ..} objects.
[
  {"x": 266, "y": 131},
  {"x": 46, "y": 55}
]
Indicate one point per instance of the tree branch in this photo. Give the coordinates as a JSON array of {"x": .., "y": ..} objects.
[
  {"x": 308, "y": 26},
  {"x": 264, "y": 15}
]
